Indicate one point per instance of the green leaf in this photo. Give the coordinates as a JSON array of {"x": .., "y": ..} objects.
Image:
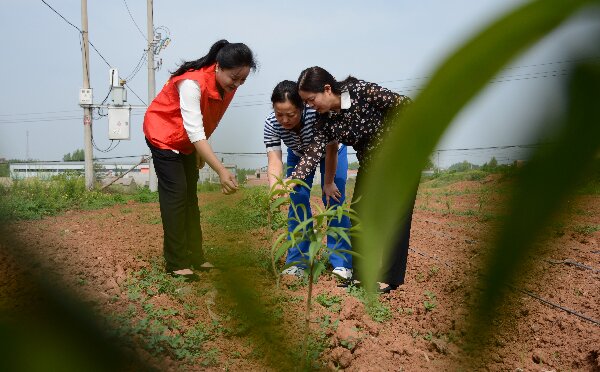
[
  {"x": 541, "y": 190},
  {"x": 278, "y": 202},
  {"x": 421, "y": 126},
  {"x": 318, "y": 270}
]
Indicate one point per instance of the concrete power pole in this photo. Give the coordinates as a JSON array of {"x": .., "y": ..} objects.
[
  {"x": 153, "y": 181},
  {"x": 87, "y": 112}
]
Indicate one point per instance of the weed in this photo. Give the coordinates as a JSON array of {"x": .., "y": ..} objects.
[
  {"x": 428, "y": 336},
  {"x": 210, "y": 357},
  {"x": 348, "y": 344},
  {"x": 586, "y": 229},
  {"x": 430, "y": 303},
  {"x": 406, "y": 310},
  {"x": 333, "y": 303},
  {"x": 376, "y": 310},
  {"x": 433, "y": 271}
]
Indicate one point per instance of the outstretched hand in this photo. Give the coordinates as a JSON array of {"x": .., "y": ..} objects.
[
  {"x": 330, "y": 190},
  {"x": 229, "y": 184}
]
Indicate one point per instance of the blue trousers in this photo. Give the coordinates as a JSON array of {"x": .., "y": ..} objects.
[{"x": 302, "y": 197}]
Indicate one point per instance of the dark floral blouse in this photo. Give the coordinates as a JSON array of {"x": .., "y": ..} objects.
[{"x": 361, "y": 126}]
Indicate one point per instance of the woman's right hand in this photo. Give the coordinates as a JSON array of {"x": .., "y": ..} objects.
[{"x": 229, "y": 184}]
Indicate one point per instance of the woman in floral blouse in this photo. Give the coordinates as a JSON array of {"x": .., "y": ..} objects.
[{"x": 354, "y": 112}]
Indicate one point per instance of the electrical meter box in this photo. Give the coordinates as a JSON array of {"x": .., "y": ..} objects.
[
  {"x": 85, "y": 96},
  {"x": 118, "y": 123}
]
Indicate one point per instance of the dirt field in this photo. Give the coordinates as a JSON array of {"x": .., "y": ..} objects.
[{"x": 110, "y": 260}]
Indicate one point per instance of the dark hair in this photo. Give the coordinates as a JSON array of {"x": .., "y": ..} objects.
[
  {"x": 314, "y": 79},
  {"x": 229, "y": 55},
  {"x": 287, "y": 91}
]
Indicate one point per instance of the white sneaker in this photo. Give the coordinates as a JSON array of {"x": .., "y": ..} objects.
[
  {"x": 295, "y": 271},
  {"x": 343, "y": 272}
]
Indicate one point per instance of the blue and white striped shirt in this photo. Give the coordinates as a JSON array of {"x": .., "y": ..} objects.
[{"x": 274, "y": 133}]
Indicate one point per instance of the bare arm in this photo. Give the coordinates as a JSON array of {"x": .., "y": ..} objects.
[
  {"x": 329, "y": 187},
  {"x": 228, "y": 182},
  {"x": 275, "y": 167}
]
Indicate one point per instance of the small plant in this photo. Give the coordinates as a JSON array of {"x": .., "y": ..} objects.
[
  {"x": 332, "y": 303},
  {"x": 482, "y": 199},
  {"x": 447, "y": 201},
  {"x": 433, "y": 271},
  {"x": 427, "y": 198},
  {"x": 210, "y": 357},
  {"x": 430, "y": 302},
  {"x": 406, "y": 310},
  {"x": 376, "y": 310},
  {"x": 313, "y": 229},
  {"x": 587, "y": 229},
  {"x": 348, "y": 344}
]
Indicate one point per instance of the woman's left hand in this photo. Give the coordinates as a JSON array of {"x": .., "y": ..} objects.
[{"x": 331, "y": 191}]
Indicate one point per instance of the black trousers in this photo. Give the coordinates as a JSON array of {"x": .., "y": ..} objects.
[
  {"x": 177, "y": 191},
  {"x": 393, "y": 268}
]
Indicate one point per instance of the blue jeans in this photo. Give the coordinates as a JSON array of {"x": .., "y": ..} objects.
[{"x": 302, "y": 197}]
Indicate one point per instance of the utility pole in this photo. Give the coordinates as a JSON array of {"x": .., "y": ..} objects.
[
  {"x": 153, "y": 181},
  {"x": 87, "y": 112}
]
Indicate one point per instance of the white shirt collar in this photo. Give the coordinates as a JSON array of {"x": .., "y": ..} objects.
[{"x": 346, "y": 101}]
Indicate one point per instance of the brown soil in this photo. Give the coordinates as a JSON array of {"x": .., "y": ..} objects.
[{"x": 93, "y": 253}]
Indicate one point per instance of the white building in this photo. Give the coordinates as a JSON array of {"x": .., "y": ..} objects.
[{"x": 140, "y": 174}]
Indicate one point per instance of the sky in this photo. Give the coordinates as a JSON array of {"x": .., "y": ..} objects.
[{"x": 397, "y": 44}]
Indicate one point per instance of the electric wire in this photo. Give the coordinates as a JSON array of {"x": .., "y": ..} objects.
[
  {"x": 93, "y": 46},
  {"x": 134, "y": 22}
]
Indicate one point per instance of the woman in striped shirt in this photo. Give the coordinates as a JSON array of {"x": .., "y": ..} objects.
[
  {"x": 293, "y": 123},
  {"x": 354, "y": 112}
]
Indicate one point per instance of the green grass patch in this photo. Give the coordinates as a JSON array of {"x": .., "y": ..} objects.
[
  {"x": 34, "y": 199},
  {"x": 251, "y": 212},
  {"x": 445, "y": 179}
]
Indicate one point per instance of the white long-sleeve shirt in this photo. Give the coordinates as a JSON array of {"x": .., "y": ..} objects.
[{"x": 189, "y": 101}]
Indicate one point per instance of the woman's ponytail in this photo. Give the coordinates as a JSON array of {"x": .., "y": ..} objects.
[{"x": 207, "y": 60}]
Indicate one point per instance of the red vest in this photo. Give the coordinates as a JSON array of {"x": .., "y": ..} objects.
[{"x": 163, "y": 124}]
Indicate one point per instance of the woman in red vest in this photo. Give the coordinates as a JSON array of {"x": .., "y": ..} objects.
[{"x": 177, "y": 126}]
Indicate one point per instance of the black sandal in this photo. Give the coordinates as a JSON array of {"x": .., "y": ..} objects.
[
  {"x": 388, "y": 288},
  {"x": 193, "y": 277}
]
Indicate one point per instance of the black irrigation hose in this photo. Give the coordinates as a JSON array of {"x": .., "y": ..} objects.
[
  {"x": 569, "y": 262},
  {"x": 426, "y": 255},
  {"x": 574, "y": 263},
  {"x": 556, "y": 305}
]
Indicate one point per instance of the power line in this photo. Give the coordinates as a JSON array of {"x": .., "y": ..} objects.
[
  {"x": 134, "y": 22},
  {"x": 93, "y": 46},
  {"x": 350, "y": 153},
  {"x": 40, "y": 113},
  {"x": 61, "y": 16}
]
